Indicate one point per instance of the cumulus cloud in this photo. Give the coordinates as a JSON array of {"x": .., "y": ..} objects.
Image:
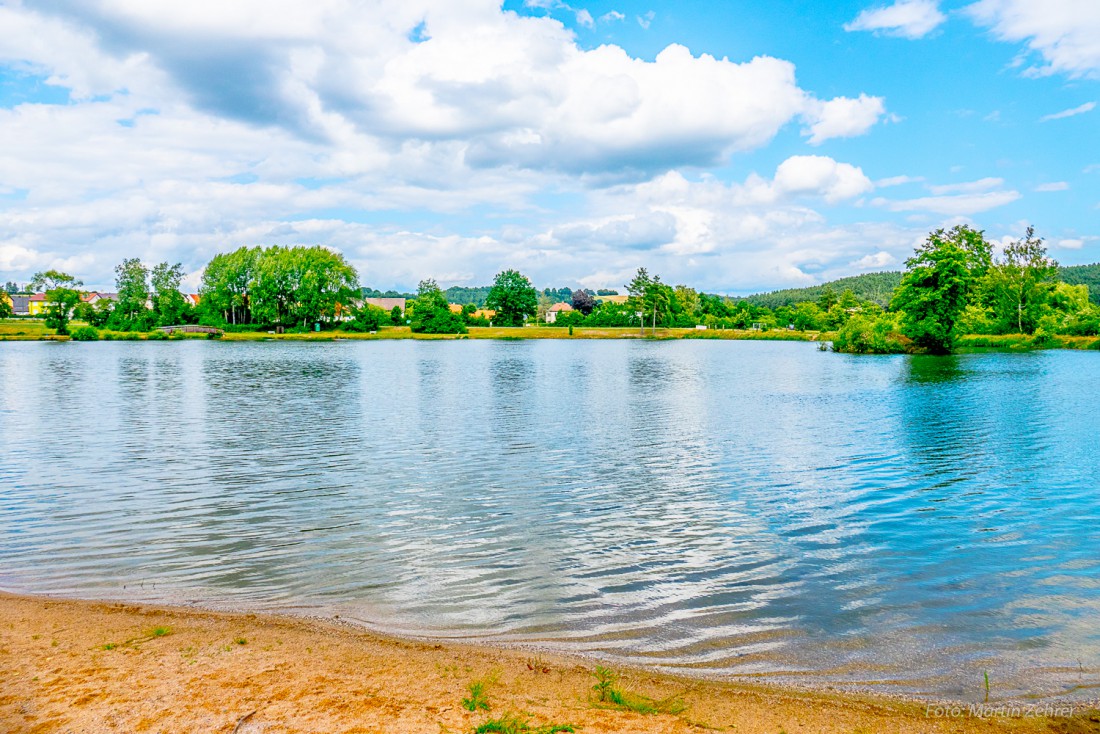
[
  {"x": 511, "y": 90},
  {"x": 821, "y": 176},
  {"x": 1065, "y": 33},
  {"x": 1053, "y": 186},
  {"x": 842, "y": 117},
  {"x": 1080, "y": 110},
  {"x": 402, "y": 133},
  {"x": 905, "y": 18}
]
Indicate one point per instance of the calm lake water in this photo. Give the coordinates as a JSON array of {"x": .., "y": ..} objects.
[{"x": 728, "y": 508}]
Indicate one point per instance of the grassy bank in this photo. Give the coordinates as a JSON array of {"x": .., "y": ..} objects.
[
  {"x": 29, "y": 329},
  {"x": 89, "y": 666},
  {"x": 35, "y": 330}
]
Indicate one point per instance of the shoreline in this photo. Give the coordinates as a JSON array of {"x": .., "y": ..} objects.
[
  {"x": 32, "y": 330},
  {"x": 82, "y": 665}
]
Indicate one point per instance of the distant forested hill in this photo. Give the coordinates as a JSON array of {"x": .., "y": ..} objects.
[
  {"x": 877, "y": 287},
  {"x": 463, "y": 295},
  {"x": 1084, "y": 275}
]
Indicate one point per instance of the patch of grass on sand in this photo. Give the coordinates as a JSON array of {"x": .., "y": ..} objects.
[
  {"x": 513, "y": 724},
  {"x": 133, "y": 641},
  {"x": 609, "y": 693},
  {"x": 477, "y": 699}
]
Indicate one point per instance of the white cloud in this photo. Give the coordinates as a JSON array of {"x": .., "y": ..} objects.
[
  {"x": 584, "y": 18},
  {"x": 821, "y": 176},
  {"x": 968, "y": 187},
  {"x": 905, "y": 18},
  {"x": 645, "y": 20},
  {"x": 1066, "y": 33},
  {"x": 1053, "y": 186},
  {"x": 877, "y": 261},
  {"x": 377, "y": 128},
  {"x": 1070, "y": 244},
  {"x": 1080, "y": 110},
  {"x": 612, "y": 16},
  {"x": 960, "y": 205},
  {"x": 883, "y": 183},
  {"x": 842, "y": 117}
]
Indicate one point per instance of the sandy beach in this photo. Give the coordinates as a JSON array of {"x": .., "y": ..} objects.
[{"x": 82, "y": 666}]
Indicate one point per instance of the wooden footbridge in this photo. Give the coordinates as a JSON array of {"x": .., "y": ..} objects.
[{"x": 190, "y": 329}]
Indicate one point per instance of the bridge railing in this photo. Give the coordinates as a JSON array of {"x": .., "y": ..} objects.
[{"x": 190, "y": 329}]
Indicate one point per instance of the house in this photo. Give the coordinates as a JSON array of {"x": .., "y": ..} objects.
[
  {"x": 94, "y": 297},
  {"x": 20, "y": 304},
  {"x": 553, "y": 311},
  {"x": 36, "y": 306},
  {"x": 191, "y": 299},
  {"x": 481, "y": 313},
  {"x": 386, "y": 304}
]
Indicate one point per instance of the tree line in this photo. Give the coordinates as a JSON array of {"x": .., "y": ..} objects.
[{"x": 953, "y": 284}]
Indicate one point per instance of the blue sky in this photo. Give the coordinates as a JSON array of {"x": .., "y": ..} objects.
[{"x": 735, "y": 146}]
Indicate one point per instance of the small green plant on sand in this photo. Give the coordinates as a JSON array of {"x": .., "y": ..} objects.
[
  {"x": 608, "y": 692},
  {"x": 150, "y": 635},
  {"x": 512, "y": 724},
  {"x": 477, "y": 699}
]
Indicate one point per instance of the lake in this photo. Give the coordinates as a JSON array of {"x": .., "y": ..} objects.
[{"x": 753, "y": 509}]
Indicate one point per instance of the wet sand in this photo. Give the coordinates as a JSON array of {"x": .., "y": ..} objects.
[{"x": 80, "y": 666}]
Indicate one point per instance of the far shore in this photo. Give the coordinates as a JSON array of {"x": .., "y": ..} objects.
[
  {"x": 34, "y": 330},
  {"x": 88, "y": 666}
]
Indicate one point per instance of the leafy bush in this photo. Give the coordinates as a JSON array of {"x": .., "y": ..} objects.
[
  {"x": 441, "y": 322},
  {"x": 84, "y": 334},
  {"x": 122, "y": 336},
  {"x": 157, "y": 336},
  {"x": 1043, "y": 339},
  {"x": 367, "y": 318},
  {"x": 866, "y": 335}
]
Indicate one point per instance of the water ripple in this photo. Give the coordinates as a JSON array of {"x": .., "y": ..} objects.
[{"x": 755, "y": 509}]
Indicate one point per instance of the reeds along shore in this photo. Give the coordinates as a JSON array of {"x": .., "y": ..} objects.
[{"x": 84, "y": 666}]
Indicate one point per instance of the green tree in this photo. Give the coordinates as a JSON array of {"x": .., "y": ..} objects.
[
  {"x": 934, "y": 291},
  {"x": 431, "y": 314},
  {"x": 688, "y": 299},
  {"x": 1020, "y": 285},
  {"x": 5, "y": 308},
  {"x": 132, "y": 284},
  {"x": 168, "y": 302},
  {"x": 512, "y": 297},
  {"x": 225, "y": 286},
  {"x": 62, "y": 297},
  {"x": 396, "y": 316},
  {"x": 650, "y": 296}
]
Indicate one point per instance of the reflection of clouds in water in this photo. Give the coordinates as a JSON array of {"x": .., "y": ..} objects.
[{"x": 742, "y": 507}]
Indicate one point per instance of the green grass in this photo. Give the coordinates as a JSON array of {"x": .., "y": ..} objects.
[
  {"x": 609, "y": 692},
  {"x": 25, "y": 329},
  {"x": 477, "y": 699},
  {"x": 512, "y": 724},
  {"x": 135, "y": 641}
]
